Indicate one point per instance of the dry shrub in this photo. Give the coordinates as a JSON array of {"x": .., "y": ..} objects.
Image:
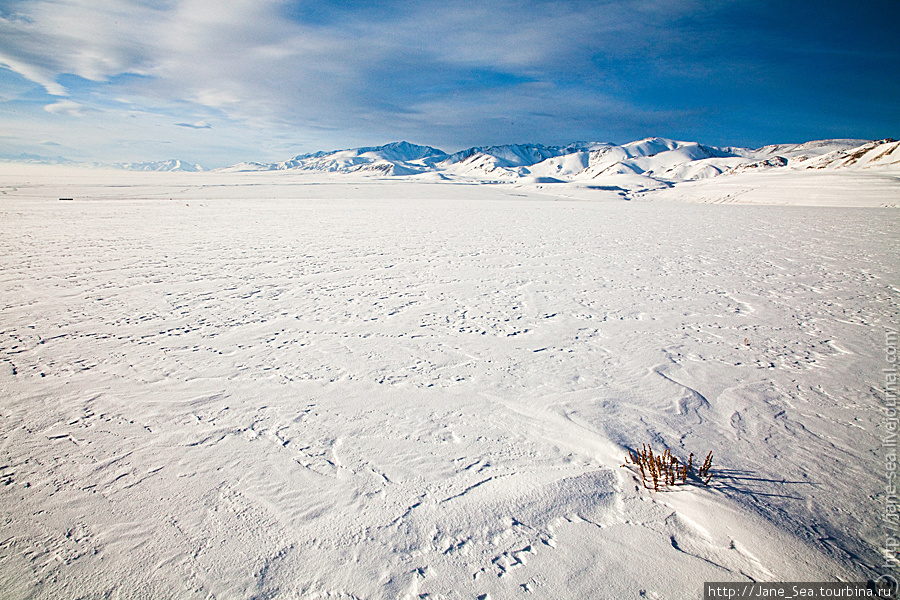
[{"x": 665, "y": 470}]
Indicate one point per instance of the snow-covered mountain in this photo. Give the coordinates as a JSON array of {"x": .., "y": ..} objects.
[
  {"x": 36, "y": 159},
  {"x": 398, "y": 158},
  {"x": 160, "y": 165},
  {"x": 648, "y": 163}
]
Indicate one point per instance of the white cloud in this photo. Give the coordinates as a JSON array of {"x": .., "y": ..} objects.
[
  {"x": 66, "y": 107},
  {"x": 352, "y": 73},
  {"x": 49, "y": 38},
  {"x": 33, "y": 72},
  {"x": 250, "y": 58}
]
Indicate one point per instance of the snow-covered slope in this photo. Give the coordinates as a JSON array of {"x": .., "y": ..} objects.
[
  {"x": 513, "y": 158},
  {"x": 658, "y": 158},
  {"x": 566, "y": 165},
  {"x": 807, "y": 150},
  {"x": 877, "y": 154}
]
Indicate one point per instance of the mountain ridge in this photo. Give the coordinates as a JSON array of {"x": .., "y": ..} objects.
[
  {"x": 169, "y": 165},
  {"x": 648, "y": 163}
]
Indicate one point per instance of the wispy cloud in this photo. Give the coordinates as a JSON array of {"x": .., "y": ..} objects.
[
  {"x": 197, "y": 125},
  {"x": 260, "y": 58},
  {"x": 332, "y": 73},
  {"x": 65, "y": 107},
  {"x": 49, "y": 38}
]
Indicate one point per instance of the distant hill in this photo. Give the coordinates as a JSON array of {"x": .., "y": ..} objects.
[{"x": 159, "y": 165}]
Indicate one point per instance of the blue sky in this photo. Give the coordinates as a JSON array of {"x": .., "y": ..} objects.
[{"x": 220, "y": 81}]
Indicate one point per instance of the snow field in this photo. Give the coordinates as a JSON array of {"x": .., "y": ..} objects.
[{"x": 237, "y": 386}]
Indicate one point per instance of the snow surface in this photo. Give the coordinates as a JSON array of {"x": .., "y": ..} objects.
[{"x": 288, "y": 384}]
